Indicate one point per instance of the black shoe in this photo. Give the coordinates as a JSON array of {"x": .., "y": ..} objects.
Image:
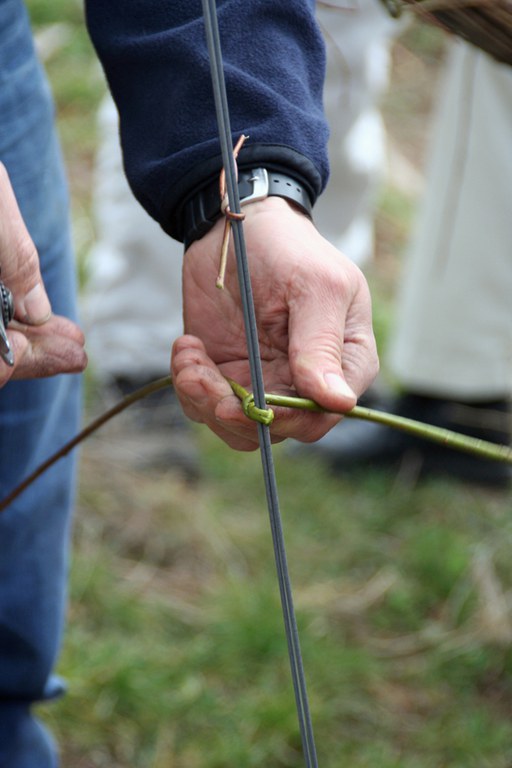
[
  {"x": 152, "y": 433},
  {"x": 354, "y": 443}
]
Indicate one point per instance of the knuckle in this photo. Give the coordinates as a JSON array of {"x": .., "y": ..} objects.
[
  {"x": 27, "y": 255},
  {"x": 22, "y": 268}
]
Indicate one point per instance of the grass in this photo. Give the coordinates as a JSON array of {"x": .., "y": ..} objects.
[{"x": 175, "y": 651}]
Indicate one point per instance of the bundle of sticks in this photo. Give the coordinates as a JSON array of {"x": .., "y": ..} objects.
[{"x": 484, "y": 23}]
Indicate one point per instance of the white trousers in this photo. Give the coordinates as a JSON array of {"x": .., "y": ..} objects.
[
  {"x": 132, "y": 306},
  {"x": 454, "y": 322}
]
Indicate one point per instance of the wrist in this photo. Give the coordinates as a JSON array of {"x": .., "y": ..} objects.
[{"x": 254, "y": 186}]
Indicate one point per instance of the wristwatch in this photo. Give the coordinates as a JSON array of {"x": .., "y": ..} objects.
[{"x": 204, "y": 209}]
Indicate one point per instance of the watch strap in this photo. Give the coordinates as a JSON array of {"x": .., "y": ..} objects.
[{"x": 204, "y": 209}]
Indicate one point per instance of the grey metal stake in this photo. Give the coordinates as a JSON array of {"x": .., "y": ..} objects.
[{"x": 290, "y": 623}]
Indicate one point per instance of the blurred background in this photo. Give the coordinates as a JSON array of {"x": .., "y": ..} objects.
[{"x": 175, "y": 652}]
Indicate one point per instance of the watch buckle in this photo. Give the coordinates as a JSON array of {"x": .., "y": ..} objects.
[{"x": 260, "y": 186}]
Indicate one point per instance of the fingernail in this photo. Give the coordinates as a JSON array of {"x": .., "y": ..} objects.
[
  {"x": 37, "y": 306},
  {"x": 338, "y": 385}
]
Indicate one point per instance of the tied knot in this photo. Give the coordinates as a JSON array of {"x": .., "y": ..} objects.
[
  {"x": 251, "y": 410},
  {"x": 249, "y": 407},
  {"x": 229, "y": 215}
]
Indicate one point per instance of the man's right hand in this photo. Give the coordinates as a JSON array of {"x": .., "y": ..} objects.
[{"x": 314, "y": 317}]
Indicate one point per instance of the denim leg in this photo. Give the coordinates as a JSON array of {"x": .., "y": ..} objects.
[{"x": 36, "y": 417}]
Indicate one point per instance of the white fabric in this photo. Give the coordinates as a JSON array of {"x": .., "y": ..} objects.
[
  {"x": 454, "y": 324},
  {"x": 357, "y": 36},
  {"x": 132, "y": 306}
]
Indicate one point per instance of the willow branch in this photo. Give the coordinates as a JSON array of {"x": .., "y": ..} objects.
[
  {"x": 139, "y": 394},
  {"x": 446, "y": 437}
]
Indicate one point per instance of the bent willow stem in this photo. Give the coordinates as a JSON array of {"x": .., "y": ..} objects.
[{"x": 445, "y": 437}]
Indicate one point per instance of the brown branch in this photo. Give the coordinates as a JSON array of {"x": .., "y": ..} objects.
[{"x": 153, "y": 386}]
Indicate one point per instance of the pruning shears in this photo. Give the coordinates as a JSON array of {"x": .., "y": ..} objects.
[{"x": 6, "y": 315}]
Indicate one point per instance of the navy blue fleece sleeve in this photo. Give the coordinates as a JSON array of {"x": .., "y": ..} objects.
[{"x": 155, "y": 58}]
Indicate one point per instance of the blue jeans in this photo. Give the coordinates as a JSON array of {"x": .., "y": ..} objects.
[{"x": 36, "y": 417}]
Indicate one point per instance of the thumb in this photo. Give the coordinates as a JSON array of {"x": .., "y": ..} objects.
[
  {"x": 316, "y": 353},
  {"x": 333, "y": 354},
  {"x": 33, "y": 307}
]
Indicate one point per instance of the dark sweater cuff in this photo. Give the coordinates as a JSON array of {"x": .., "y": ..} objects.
[{"x": 274, "y": 157}]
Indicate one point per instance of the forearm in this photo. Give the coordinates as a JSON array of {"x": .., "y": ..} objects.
[{"x": 155, "y": 58}]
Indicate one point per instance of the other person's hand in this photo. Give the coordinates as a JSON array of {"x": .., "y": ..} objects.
[{"x": 42, "y": 344}]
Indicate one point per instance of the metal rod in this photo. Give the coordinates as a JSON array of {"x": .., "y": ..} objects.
[{"x": 290, "y": 623}]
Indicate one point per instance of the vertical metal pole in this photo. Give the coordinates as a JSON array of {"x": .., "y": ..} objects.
[{"x": 290, "y": 623}]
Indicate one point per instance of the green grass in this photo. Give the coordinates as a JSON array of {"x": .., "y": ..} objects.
[{"x": 175, "y": 651}]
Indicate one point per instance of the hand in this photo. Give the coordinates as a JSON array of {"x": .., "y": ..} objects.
[
  {"x": 314, "y": 322},
  {"x": 43, "y": 345},
  {"x": 56, "y": 346}
]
